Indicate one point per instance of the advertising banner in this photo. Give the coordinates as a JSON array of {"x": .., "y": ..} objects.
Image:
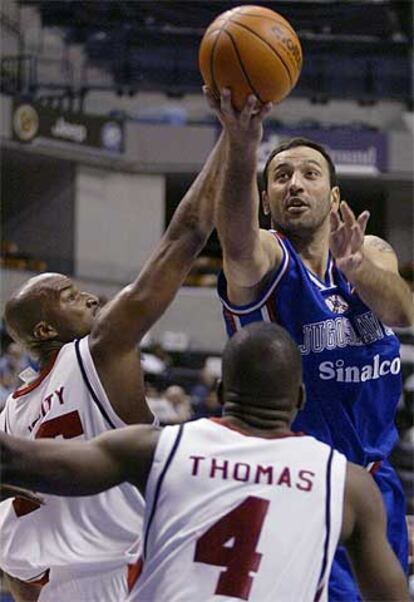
[
  {"x": 353, "y": 151},
  {"x": 33, "y": 122}
]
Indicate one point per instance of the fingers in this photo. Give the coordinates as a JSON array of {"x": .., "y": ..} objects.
[
  {"x": 349, "y": 217},
  {"x": 363, "y": 220},
  {"x": 347, "y": 234},
  {"x": 211, "y": 97},
  {"x": 335, "y": 220},
  {"x": 250, "y": 109},
  {"x": 347, "y": 214},
  {"x": 225, "y": 102},
  {"x": 356, "y": 238},
  {"x": 264, "y": 110}
]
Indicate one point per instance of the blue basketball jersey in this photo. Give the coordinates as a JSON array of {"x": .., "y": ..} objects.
[{"x": 351, "y": 360}]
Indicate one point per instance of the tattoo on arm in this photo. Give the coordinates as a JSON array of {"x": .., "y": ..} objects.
[{"x": 380, "y": 244}]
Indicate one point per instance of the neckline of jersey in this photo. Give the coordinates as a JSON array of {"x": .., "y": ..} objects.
[
  {"x": 47, "y": 368},
  {"x": 329, "y": 280},
  {"x": 220, "y": 421}
]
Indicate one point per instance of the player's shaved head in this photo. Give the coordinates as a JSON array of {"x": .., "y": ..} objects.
[
  {"x": 31, "y": 304},
  {"x": 262, "y": 368}
]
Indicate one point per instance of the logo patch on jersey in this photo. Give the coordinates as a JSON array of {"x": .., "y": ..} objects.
[{"x": 336, "y": 304}]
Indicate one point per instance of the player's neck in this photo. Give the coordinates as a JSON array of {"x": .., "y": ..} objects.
[
  {"x": 47, "y": 352},
  {"x": 252, "y": 425},
  {"x": 314, "y": 250}
]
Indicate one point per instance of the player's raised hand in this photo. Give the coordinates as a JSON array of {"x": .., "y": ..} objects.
[
  {"x": 347, "y": 238},
  {"x": 245, "y": 126}
]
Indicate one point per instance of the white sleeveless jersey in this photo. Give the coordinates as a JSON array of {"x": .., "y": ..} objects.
[
  {"x": 236, "y": 517},
  {"x": 67, "y": 401}
]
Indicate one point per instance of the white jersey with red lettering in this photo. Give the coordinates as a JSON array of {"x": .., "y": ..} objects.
[
  {"x": 95, "y": 533},
  {"x": 231, "y": 516}
]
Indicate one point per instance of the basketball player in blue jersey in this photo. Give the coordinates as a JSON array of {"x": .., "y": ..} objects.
[{"x": 337, "y": 291}]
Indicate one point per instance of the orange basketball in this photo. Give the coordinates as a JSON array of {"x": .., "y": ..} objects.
[{"x": 251, "y": 50}]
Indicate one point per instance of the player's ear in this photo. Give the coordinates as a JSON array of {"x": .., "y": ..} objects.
[
  {"x": 44, "y": 331},
  {"x": 265, "y": 203},
  {"x": 301, "y": 397},
  {"x": 335, "y": 198},
  {"x": 219, "y": 391}
]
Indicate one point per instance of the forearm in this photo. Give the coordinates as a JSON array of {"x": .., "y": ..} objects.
[
  {"x": 67, "y": 468},
  {"x": 125, "y": 320},
  {"x": 382, "y": 580},
  {"x": 237, "y": 218},
  {"x": 385, "y": 293}
]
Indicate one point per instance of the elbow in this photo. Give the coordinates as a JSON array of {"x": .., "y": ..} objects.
[
  {"x": 406, "y": 321},
  {"x": 406, "y": 317},
  {"x": 401, "y": 319},
  {"x": 192, "y": 234}
]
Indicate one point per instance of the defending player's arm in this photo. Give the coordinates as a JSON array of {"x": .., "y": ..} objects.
[
  {"x": 124, "y": 321},
  {"x": 79, "y": 468},
  {"x": 376, "y": 567},
  {"x": 249, "y": 253},
  {"x": 371, "y": 265}
]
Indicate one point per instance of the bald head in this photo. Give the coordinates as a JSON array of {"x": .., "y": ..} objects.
[
  {"x": 48, "y": 308},
  {"x": 262, "y": 366},
  {"x": 29, "y": 305}
]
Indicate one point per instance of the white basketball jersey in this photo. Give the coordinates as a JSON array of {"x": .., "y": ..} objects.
[
  {"x": 67, "y": 401},
  {"x": 231, "y": 516}
]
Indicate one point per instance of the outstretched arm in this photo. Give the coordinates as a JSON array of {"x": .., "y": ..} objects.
[
  {"x": 123, "y": 322},
  {"x": 371, "y": 265},
  {"x": 378, "y": 572},
  {"x": 249, "y": 253},
  {"x": 74, "y": 468}
]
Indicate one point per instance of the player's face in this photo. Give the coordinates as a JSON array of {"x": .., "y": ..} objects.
[
  {"x": 72, "y": 311},
  {"x": 299, "y": 194}
]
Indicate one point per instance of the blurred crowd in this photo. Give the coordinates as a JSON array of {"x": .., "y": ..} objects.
[
  {"x": 12, "y": 362},
  {"x": 14, "y": 258}
]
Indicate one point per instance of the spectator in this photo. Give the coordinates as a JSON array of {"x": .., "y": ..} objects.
[
  {"x": 209, "y": 406},
  {"x": 172, "y": 406},
  {"x": 7, "y": 385}
]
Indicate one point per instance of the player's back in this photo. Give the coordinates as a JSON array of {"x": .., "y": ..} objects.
[
  {"x": 66, "y": 401},
  {"x": 232, "y": 516}
]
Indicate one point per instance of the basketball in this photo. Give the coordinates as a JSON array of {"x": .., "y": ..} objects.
[{"x": 251, "y": 50}]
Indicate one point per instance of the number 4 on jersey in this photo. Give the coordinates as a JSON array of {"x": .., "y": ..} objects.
[{"x": 243, "y": 524}]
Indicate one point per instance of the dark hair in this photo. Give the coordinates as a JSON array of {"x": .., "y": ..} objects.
[
  {"x": 261, "y": 361},
  {"x": 293, "y": 143}
]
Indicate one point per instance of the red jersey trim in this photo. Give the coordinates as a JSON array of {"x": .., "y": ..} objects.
[
  {"x": 374, "y": 467},
  {"x": 42, "y": 375},
  {"x": 220, "y": 421},
  {"x": 134, "y": 571}
]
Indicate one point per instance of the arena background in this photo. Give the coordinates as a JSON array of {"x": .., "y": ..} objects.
[{"x": 103, "y": 127}]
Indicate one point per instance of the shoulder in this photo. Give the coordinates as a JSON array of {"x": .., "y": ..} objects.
[
  {"x": 362, "y": 492},
  {"x": 380, "y": 252},
  {"x": 271, "y": 238},
  {"x": 274, "y": 245},
  {"x": 363, "y": 504},
  {"x": 377, "y": 243}
]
